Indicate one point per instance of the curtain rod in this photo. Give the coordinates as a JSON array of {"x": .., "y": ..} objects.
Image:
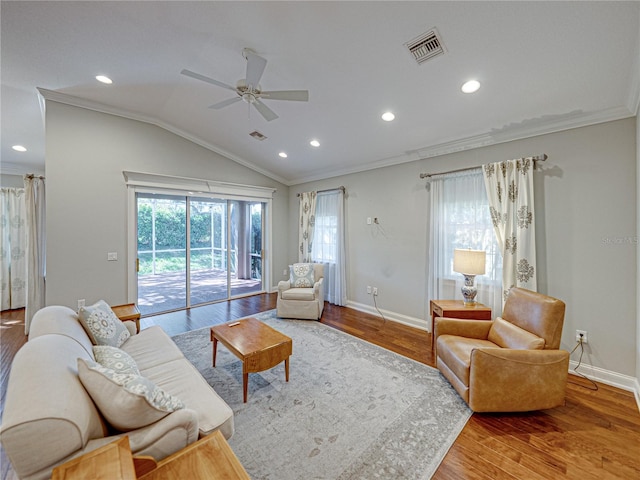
[
  {"x": 537, "y": 158},
  {"x": 329, "y": 190}
]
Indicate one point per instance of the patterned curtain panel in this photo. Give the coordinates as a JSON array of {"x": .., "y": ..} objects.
[
  {"x": 510, "y": 190},
  {"x": 36, "y": 241},
  {"x": 13, "y": 246},
  {"x": 306, "y": 226}
]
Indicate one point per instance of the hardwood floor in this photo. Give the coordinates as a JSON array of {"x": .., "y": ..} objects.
[{"x": 596, "y": 435}]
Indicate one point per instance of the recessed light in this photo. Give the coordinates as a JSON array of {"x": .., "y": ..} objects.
[
  {"x": 314, "y": 143},
  {"x": 19, "y": 148},
  {"x": 388, "y": 116},
  {"x": 471, "y": 86},
  {"x": 103, "y": 79},
  {"x": 283, "y": 154}
]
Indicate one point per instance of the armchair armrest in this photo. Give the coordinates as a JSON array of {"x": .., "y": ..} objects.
[
  {"x": 318, "y": 285},
  {"x": 283, "y": 285},
  {"x": 509, "y": 380},
  {"x": 461, "y": 328}
]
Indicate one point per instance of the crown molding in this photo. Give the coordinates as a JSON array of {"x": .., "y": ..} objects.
[
  {"x": 509, "y": 133},
  {"x": 515, "y": 131},
  {"x": 103, "y": 108}
]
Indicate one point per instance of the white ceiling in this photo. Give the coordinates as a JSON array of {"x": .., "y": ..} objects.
[{"x": 544, "y": 66}]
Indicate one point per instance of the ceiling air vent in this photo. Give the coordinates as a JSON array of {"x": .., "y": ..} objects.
[
  {"x": 257, "y": 135},
  {"x": 425, "y": 46}
]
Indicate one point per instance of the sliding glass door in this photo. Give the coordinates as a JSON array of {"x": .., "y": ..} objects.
[{"x": 222, "y": 240}]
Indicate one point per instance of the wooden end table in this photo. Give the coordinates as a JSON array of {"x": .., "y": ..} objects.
[
  {"x": 126, "y": 312},
  {"x": 210, "y": 457},
  {"x": 256, "y": 344},
  {"x": 456, "y": 309},
  {"x": 112, "y": 461}
]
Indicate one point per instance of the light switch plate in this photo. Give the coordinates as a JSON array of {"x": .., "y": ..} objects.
[{"x": 112, "y": 256}]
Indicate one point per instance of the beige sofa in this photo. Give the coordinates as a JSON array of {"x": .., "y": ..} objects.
[{"x": 49, "y": 418}]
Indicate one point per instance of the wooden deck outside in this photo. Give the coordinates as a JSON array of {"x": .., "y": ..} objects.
[{"x": 164, "y": 292}]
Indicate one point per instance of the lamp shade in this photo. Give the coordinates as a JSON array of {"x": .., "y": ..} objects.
[{"x": 469, "y": 262}]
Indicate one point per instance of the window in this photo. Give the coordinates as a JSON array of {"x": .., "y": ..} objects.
[{"x": 460, "y": 218}]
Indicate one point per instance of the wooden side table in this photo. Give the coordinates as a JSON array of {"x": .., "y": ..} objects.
[
  {"x": 109, "y": 462},
  {"x": 456, "y": 309},
  {"x": 126, "y": 312},
  {"x": 210, "y": 457}
]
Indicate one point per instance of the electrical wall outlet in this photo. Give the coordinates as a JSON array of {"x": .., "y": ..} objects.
[
  {"x": 369, "y": 289},
  {"x": 284, "y": 272},
  {"x": 80, "y": 303},
  {"x": 375, "y": 291},
  {"x": 582, "y": 334}
]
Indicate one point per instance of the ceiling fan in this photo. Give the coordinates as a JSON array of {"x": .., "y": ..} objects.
[{"x": 248, "y": 88}]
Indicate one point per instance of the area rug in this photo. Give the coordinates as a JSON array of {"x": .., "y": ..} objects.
[{"x": 351, "y": 410}]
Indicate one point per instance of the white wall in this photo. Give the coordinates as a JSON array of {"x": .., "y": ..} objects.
[
  {"x": 11, "y": 181},
  {"x": 586, "y": 225},
  {"x": 86, "y": 153}
]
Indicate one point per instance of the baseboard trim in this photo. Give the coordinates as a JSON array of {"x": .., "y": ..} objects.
[
  {"x": 388, "y": 315},
  {"x": 614, "y": 379}
]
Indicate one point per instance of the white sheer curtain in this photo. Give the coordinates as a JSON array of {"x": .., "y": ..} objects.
[
  {"x": 306, "y": 226},
  {"x": 36, "y": 241},
  {"x": 13, "y": 245},
  {"x": 329, "y": 244},
  {"x": 459, "y": 218},
  {"x": 510, "y": 190}
]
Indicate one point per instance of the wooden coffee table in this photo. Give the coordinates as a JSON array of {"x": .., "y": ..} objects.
[{"x": 259, "y": 346}]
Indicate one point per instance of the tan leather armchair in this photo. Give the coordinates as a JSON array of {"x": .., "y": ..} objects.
[
  {"x": 510, "y": 364},
  {"x": 302, "y": 302}
]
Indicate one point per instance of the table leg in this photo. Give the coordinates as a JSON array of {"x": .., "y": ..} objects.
[
  {"x": 286, "y": 368},
  {"x": 215, "y": 350},
  {"x": 245, "y": 384}
]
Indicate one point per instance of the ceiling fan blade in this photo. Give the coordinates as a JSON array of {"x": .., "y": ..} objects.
[
  {"x": 225, "y": 103},
  {"x": 255, "y": 68},
  {"x": 265, "y": 111},
  {"x": 297, "y": 95},
  {"x": 197, "y": 76}
]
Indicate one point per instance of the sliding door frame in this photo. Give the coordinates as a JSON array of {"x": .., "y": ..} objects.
[{"x": 189, "y": 187}]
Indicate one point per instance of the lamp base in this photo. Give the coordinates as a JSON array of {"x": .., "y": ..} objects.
[{"x": 469, "y": 290}]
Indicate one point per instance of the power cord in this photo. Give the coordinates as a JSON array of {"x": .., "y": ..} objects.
[
  {"x": 376, "y": 305},
  {"x": 581, "y": 345}
]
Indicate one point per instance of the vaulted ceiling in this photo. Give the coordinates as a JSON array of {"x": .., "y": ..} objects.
[{"x": 543, "y": 67}]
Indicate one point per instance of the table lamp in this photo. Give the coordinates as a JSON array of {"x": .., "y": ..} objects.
[{"x": 469, "y": 263}]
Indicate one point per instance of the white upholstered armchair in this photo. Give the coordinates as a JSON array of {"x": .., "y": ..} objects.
[{"x": 302, "y": 296}]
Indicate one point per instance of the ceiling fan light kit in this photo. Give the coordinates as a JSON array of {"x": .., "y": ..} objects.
[{"x": 249, "y": 90}]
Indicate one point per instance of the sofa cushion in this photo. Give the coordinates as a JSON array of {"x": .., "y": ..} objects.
[
  {"x": 115, "y": 358},
  {"x": 302, "y": 275},
  {"x": 102, "y": 325},
  {"x": 507, "y": 335},
  {"x": 151, "y": 347},
  {"x": 181, "y": 379},
  {"x": 127, "y": 401},
  {"x": 299, "y": 294}
]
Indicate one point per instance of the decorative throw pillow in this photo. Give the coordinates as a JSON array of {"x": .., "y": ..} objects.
[
  {"x": 302, "y": 275},
  {"x": 127, "y": 401},
  {"x": 116, "y": 359},
  {"x": 102, "y": 325}
]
